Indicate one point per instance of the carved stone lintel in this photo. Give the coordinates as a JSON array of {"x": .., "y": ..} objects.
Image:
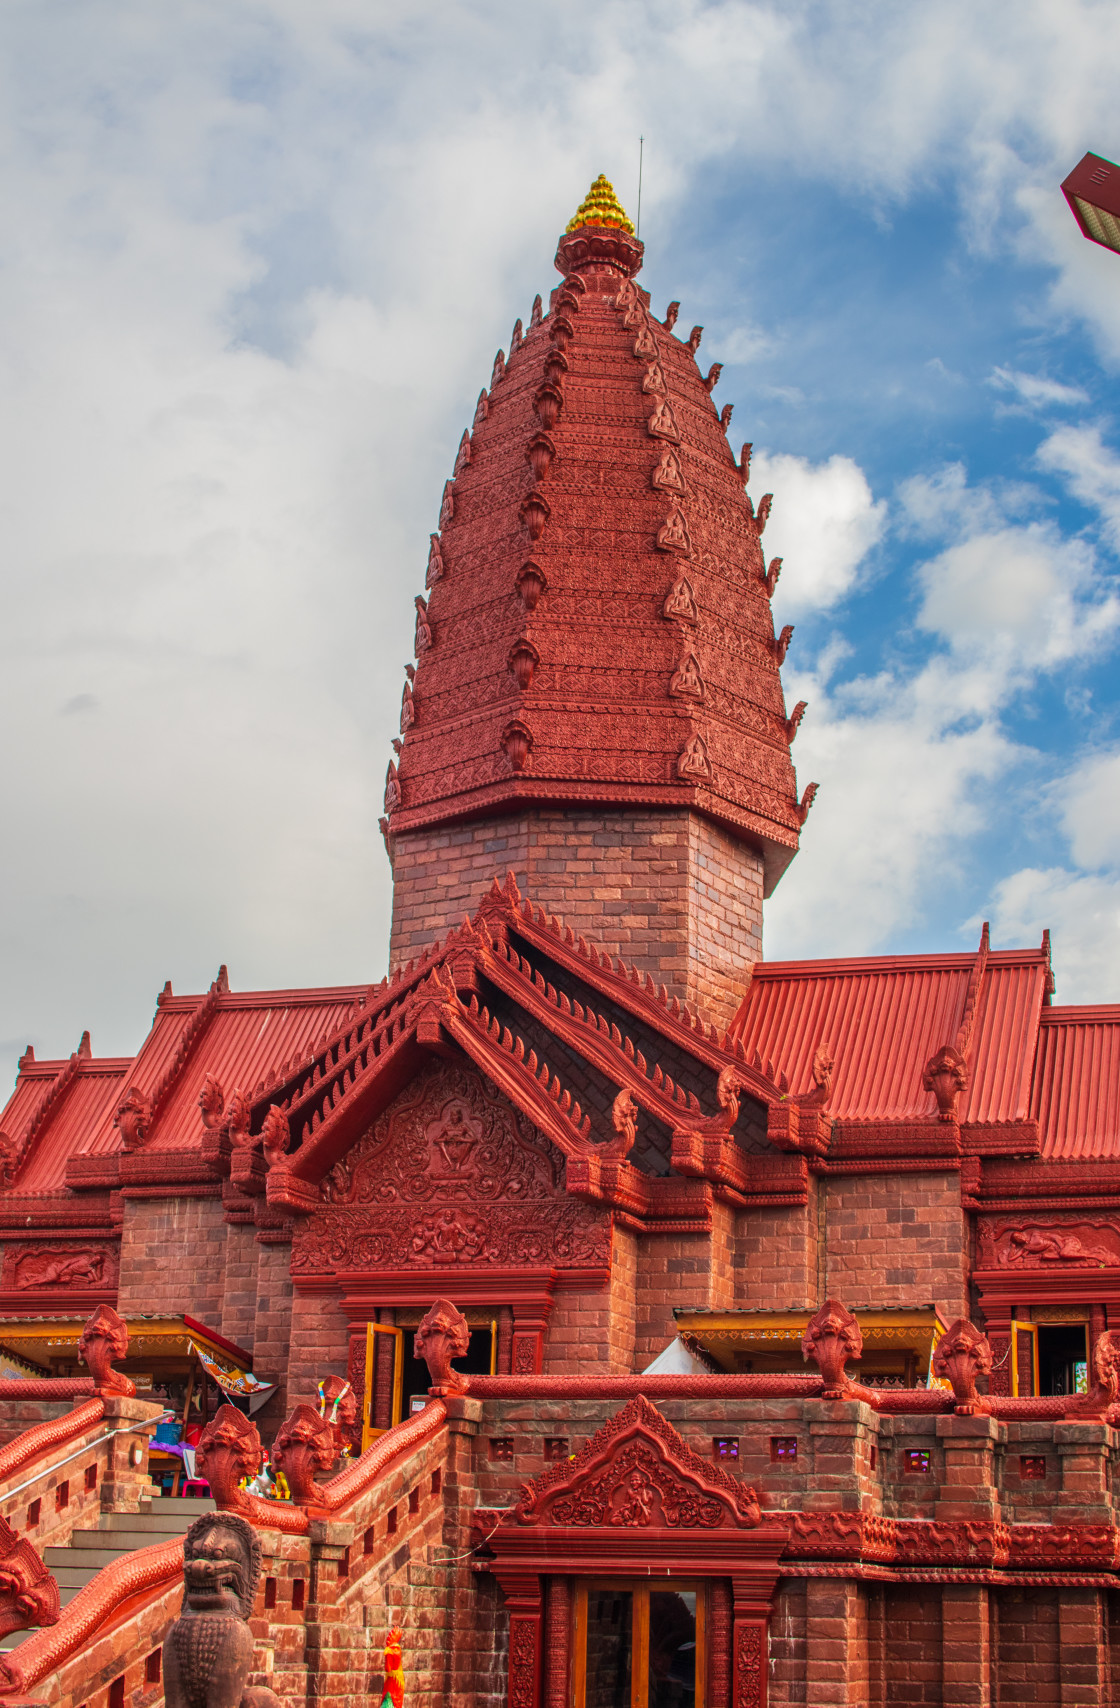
[
  {"x": 443, "y": 1335},
  {"x": 961, "y": 1355},
  {"x": 104, "y": 1338}
]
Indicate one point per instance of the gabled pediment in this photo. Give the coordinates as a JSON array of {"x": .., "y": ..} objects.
[
  {"x": 542, "y": 1014},
  {"x": 636, "y": 1473}
]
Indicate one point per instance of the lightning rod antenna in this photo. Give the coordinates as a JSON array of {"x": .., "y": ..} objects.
[{"x": 641, "y": 151}]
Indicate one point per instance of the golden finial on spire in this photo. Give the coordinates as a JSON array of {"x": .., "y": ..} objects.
[{"x": 601, "y": 206}]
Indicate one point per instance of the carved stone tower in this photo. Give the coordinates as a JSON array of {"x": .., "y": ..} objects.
[{"x": 596, "y": 702}]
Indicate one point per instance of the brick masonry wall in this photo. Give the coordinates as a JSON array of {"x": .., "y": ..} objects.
[
  {"x": 239, "y": 1306},
  {"x": 693, "y": 1272},
  {"x": 776, "y": 1256},
  {"x": 272, "y": 1333},
  {"x": 896, "y": 1239},
  {"x": 173, "y": 1258},
  {"x": 594, "y": 1332},
  {"x": 670, "y": 892},
  {"x": 320, "y": 1343}
]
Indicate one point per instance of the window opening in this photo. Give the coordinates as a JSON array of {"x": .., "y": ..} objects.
[
  {"x": 639, "y": 1646},
  {"x": 1063, "y": 1359}
]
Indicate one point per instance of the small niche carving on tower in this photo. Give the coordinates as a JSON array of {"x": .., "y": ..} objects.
[
  {"x": 408, "y": 710},
  {"x": 539, "y": 453},
  {"x": 498, "y": 369},
  {"x": 725, "y": 415},
  {"x": 561, "y": 331},
  {"x": 686, "y": 682},
  {"x": 671, "y": 314},
  {"x": 626, "y": 294},
  {"x": 654, "y": 380},
  {"x": 447, "y": 508},
  {"x": 423, "y": 626},
  {"x": 693, "y": 764},
  {"x": 535, "y": 316},
  {"x": 645, "y": 344},
  {"x": 481, "y": 408},
  {"x": 435, "y": 562},
  {"x": 463, "y": 455},
  {"x": 555, "y": 366},
  {"x": 517, "y": 739},
  {"x": 531, "y": 583},
  {"x": 680, "y": 602},
  {"x": 392, "y": 789},
  {"x": 661, "y": 424},
  {"x": 548, "y": 402},
  {"x": 667, "y": 475},
  {"x": 694, "y": 338},
  {"x": 515, "y": 338},
  {"x": 535, "y": 511},
  {"x": 523, "y": 661},
  {"x": 672, "y": 536}
]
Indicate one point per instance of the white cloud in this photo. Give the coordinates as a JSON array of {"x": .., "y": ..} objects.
[
  {"x": 1091, "y": 471},
  {"x": 1035, "y": 391},
  {"x": 905, "y": 768},
  {"x": 1019, "y": 597},
  {"x": 823, "y": 524},
  {"x": 1081, "y": 911}
]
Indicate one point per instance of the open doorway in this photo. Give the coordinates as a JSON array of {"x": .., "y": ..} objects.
[
  {"x": 1063, "y": 1358},
  {"x": 478, "y": 1361}
]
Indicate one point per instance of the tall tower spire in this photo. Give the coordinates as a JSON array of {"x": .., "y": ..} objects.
[{"x": 596, "y": 701}]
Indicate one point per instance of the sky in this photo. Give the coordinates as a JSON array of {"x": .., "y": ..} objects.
[{"x": 255, "y": 260}]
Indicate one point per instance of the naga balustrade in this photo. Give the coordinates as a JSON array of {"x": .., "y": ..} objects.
[{"x": 339, "y": 1529}]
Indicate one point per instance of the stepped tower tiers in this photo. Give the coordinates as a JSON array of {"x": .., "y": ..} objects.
[{"x": 596, "y": 701}]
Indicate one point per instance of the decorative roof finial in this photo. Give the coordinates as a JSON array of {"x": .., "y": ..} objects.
[{"x": 601, "y": 206}]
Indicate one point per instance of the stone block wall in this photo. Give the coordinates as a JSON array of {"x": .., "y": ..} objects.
[
  {"x": 173, "y": 1257},
  {"x": 896, "y": 1239},
  {"x": 673, "y": 894}
]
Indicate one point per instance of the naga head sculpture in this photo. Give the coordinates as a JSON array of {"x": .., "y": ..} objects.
[
  {"x": 304, "y": 1444},
  {"x": 132, "y": 1118},
  {"x": 959, "y": 1357},
  {"x": 104, "y": 1338},
  {"x": 443, "y": 1335},
  {"x": 229, "y": 1450},
  {"x": 832, "y": 1336},
  {"x": 211, "y": 1102}
]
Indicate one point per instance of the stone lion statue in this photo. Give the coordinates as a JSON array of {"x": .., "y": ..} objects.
[{"x": 209, "y": 1650}]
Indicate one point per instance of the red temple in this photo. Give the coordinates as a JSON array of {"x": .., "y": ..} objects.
[{"x": 775, "y": 1348}]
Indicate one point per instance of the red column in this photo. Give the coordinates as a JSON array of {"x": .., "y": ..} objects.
[
  {"x": 556, "y": 1643},
  {"x": 750, "y": 1649},
  {"x": 529, "y": 1324},
  {"x": 719, "y": 1644},
  {"x": 523, "y": 1597}
]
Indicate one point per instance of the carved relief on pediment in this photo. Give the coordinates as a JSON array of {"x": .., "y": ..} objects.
[
  {"x": 637, "y": 1473},
  {"x": 450, "y": 1173},
  {"x": 1053, "y": 1244},
  {"x": 34, "y": 1266}
]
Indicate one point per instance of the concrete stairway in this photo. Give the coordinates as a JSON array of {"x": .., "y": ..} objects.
[{"x": 118, "y": 1533}]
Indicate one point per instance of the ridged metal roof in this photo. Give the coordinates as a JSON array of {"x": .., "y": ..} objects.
[
  {"x": 1076, "y": 1092},
  {"x": 884, "y": 1017}
]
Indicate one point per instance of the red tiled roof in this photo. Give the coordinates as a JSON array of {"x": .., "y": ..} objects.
[
  {"x": 248, "y": 1038},
  {"x": 1076, "y": 1093},
  {"x": 885, "y": 1016},
  {"x": 243, "y": 1039}
]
